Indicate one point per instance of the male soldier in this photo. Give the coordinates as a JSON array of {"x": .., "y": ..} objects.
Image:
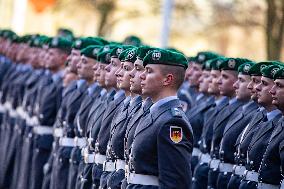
[
  {"x": 246, "y": 135},
  {"x": 228, "y": 77},
  {"x": 84, "y": 72},
  {"x": 261, "y": 137},
  {"x": 196, "y": 115},
  {"x": 277, "y": 95},
  {"x": 201, "y": 171},
  {"x": 48, "y": 102},
  {"x": 163, "y": 141},
  {"x": 235, "y": 126},
  {"x": 270, "y": 163},
  {"x": 135, "y": 87},
  {"x": 131, "y": 106}
]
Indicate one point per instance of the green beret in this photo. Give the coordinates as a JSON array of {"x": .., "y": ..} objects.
[
  {"x": 174, "y": 50},
  {"x": 132, "y": 40},
  {"x": 202, "y": 57},
  {"x": 279, "y": 74},
  {"x": 191, "y": 59},
  {"x": 166, "y": 57},
  {"x": 104, "y": 57},
  {"x": 213, "y": 64},
  {"x": 245, "y": 68},
  {"x": 9, "y": 34},
  {"x": 131, "y": 55},
  {"x": 82, "y": 43},
  {"x": 91, "y": 51},
  {"x": 142, "y": 51},
  {"x": 60, "y": 43},
  {"x": 269, "y": 71},
  {"x": 255, "y": 70},
  {"x": 122, "y": 55},
  {"x": 232, "y": 63}
]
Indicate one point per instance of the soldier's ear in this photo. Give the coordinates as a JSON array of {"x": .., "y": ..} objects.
[{"x": 168, "y": 80}]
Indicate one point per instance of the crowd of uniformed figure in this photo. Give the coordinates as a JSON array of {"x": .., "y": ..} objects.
[{"x": 82, "y": 113}]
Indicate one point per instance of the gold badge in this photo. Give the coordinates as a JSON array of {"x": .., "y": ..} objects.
[{"x": 176, "y": 134}]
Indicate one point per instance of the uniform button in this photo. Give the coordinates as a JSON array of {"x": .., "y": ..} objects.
[
  {"x": 37, "y": 150},
  {"x": 60, "y": 160},
  {"x": 251, "y": 162}
]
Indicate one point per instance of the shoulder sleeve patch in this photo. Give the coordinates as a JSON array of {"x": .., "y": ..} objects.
[{"x": 176, "y": 134}]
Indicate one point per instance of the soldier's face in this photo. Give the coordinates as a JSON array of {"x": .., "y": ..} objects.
[
  {"x": 110, "y": 77},
  {"x": 263, "y": 88},
  {"x": 95, "y": 68},
  {"x": 152, "y": 81},
  {"x": 124, "y": 75},
  {"x": 73, "y": 59},
  {"x": 135, "y": 80},
  {"x": 85, "y": 68},
  {"x": 277, "y": 92},
  {"x": 242, "y": 92},
  {"x": 194, "y": 74},
  {"x": 204, "y": 83},
  {"x": 55, "y": 59},
  {"x": 226, "y": 82},
  {"x": 100, "y": 74},
  {"x": 213, "y": 84},
  {"x": 255, "y": 80}
]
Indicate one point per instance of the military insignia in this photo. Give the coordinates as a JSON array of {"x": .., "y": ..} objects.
[
  {"x": 106, "y": 48},
  {"x": 231, "y": 63},
  {"x": 78, "y": 43},
  {"x": 246, "y": 68},
  {"x": 95, "y": 51},
  {"x": 36, "y": 42},
  {"x": 55, "y": 42},
  {"x": 119, "y": 51},
  {"x": 108, "y": 57},
  {"x": 207, "y": 64},
  {"x": 262, "y": 66},
  {"x": 273, "y": 71},
  {"x": 176, "y": 134},
  {"x": 156, "y": 55},
  {"x": 130, "y": 54},
  {"x": 201, "y": 57}
]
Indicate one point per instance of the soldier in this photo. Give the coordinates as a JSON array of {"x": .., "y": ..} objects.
[
  {"x": 235, "y": 126},
  {"x": 247, "y": 133},
  {"x": 163, "y": 141},
  {"x": 260, "y": 139},
  {"x": 201, "y": 171},
  {"x": 135, "y": 87}
]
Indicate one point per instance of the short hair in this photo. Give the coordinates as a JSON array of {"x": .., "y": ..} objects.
[{"x": 177, "y": 71}]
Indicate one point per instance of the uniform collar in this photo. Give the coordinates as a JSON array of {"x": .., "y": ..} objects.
[
  {"x": 272, "y": 114},
  {"x": 220, "y": 100},
  {"x": 199, "y": 96},
  {"x": 245, "y": 107},
  {"x": 58, "y": 75},
  {"x": 160, "y": 102},
  {"x": 118, "y": 94},
  {"x": 232, "y": 101},
  {"x": 92, "y": 88},
  {"x": 80, "y": 82}
]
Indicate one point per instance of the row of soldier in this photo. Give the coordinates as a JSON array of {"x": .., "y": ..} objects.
[{"x": 116, "y": 121}]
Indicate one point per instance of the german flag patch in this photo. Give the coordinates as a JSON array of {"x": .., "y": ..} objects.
[{"x": 176, "y": 134}]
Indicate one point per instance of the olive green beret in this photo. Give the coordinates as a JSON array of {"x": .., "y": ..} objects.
[
  {"x": 82, "y": 43},
  {"x": 174, "y": 50},
  {"x": 142, "y": 51},
  {"x": 269, "y": 71},
  {"x": 255, "y": 70},
  {"x": 166, "y": 57},
  {"x": 232, "y": 63},
  {"x": 9, "y": 34},
  {"x": 202, "y": 57},
  {"x": 104, "y": 57},
  {"x": 213, "y": 64},
  {"x": 245, "y": 67},
  {"x": 61, "y": 43},
  {"x": 91, "y": 51},
  {"x": 279, "y": 74},
  {"x": 122, "y": 55}
]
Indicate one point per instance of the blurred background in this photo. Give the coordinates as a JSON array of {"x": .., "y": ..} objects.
[{"x": 237, "y": 28}]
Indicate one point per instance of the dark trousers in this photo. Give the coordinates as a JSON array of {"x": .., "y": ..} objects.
[
  {"x": 86, "y": 181},
  {"x": 73, "y": 168},
  {"x": 200, "y": 177},
  {"x": 212, "y": 178},
  {"x": 223, "y": 180},
  {"x": 194, "y": 162},
  {"x": 248, "y": 185},
  {"x": 97, "y": 171},
  {"x": 234, "y": 182},
  {"x": 115, "y": 179},
  {"x": 104, "y": 178}
]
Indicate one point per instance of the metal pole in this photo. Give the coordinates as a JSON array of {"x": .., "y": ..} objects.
[
  {"x": 19, "y": 15},
  {"x": 166, "y": 21}
]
